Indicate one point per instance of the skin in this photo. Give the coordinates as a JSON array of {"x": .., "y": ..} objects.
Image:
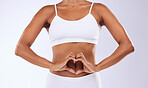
[{"x": 64, "y": 54}]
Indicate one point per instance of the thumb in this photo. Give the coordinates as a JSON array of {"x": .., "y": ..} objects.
[
  {"x": 79, "y": 71},
  {"x": 72, "y": 71}
]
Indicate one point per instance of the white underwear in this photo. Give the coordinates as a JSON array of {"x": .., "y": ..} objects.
[{"x": 89, "y": 81}]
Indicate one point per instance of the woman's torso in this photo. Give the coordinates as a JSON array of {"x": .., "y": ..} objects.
[{"x": 62, "y": 50}]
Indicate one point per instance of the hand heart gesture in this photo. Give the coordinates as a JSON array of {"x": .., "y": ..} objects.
[
  {"x": 71, "y": 62},
  {"x": 64, "y": 65}
]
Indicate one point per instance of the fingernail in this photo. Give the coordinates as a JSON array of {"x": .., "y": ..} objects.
[{"x": 74, "y": 61}]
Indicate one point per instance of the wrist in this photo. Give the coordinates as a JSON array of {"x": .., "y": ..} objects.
[
  {"x": 97, "y": 68},
  {"x": 50, "y": 65}
]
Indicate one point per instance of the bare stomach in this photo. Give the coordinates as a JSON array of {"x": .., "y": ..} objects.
[{"x": 62, "y": 50}]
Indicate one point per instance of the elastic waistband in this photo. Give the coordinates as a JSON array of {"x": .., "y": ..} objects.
[{"x": 89, "y": 76}]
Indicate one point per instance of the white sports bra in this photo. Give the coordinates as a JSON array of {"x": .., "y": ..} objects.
[{"x": 85, "y": 29}]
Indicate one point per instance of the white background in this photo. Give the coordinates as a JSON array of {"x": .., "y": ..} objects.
[{"x": 131, "y": 72}]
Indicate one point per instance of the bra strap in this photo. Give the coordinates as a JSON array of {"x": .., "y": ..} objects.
[
  {"x": 91, "y": 7},
  {"x": 55, "y": 9}
]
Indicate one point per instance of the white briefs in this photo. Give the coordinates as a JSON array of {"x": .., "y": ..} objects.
[{"x": 89, "y": 81}]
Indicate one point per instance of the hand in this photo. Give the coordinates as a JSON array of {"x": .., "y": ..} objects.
[
  {"x": 63, "y": 66},
  {"x": 87, "y": 67}
]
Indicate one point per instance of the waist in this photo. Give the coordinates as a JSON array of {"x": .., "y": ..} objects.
[
  {"x": 61, "y": 51},
  {"x": 68, "y": 74}
]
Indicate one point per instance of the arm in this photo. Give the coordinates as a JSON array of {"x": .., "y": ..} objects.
[
  {"x": 115, "y": 28},
  {"x": 28, "y": 37}
]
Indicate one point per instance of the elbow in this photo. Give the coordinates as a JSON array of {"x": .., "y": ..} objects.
[
  {"x": 17, "y": 49},
  {"x": 127, "y": 45},
  {"x": 130, "y": 47}
]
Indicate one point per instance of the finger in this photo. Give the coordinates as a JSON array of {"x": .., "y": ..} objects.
[
  {"x": 66, "y": 61},
  {"x": 62, "y": 65},
  {"x": 91, "y": 70},
  {"x": 86, "y": 69},
  {"x": 79, "y": 71},
  {"x": 62, "y": 68},
  {"x": 74, "y": 60},
  {"x": 70, "y": 70},
  {"x": 56, "y": 68},
  {"x": 80, "y": 55},
  {"x": 86, "y": 66},
  {"x": 82, "y": 60},
  {"x": 85, "y": 62},
  {"x": 67, "y": 68},
  {"x": 70, "y": 55}
]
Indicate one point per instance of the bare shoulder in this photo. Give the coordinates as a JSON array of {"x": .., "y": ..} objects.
[
  {"x": 100, "y": 6},
  {"x": 104, "y": 12},
  {"x": 47, "y": 9}
]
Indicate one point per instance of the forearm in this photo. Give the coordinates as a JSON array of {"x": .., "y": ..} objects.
[
  {"x": 121, "y": 51},
  {"x": 26, "y": 53}
]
